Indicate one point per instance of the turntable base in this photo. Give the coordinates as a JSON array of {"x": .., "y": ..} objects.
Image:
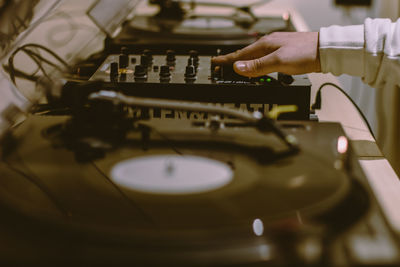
[{"x": 257, "y": 209}]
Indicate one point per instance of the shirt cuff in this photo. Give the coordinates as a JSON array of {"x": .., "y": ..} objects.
[{"x": 341, "y": 49}]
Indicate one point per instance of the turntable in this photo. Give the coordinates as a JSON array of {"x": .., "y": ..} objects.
[
  {"x": 105, "y": 188},
  {"x": 89, "y": 183},
  {"x": 180, "y": 25}
]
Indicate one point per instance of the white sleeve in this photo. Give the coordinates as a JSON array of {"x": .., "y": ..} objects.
[{"x": 369, "y": 50}]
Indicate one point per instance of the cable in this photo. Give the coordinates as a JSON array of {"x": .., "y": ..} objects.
[
  {"x": 56, "y": 56},
  {"x": 38, "y": 64},
  {"x": 23, "y": 75},
  {"x": 35, "y": 57},
  {"x": 318, "y": 101},
  {"x": 39, "y": 57},
  {"x": 12, "y": 69}
]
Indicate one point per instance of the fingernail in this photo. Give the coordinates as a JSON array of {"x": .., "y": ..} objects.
[{"x": 241, "y": 66}]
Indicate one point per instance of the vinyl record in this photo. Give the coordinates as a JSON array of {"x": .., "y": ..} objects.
[{"x": 222, "y": 200}]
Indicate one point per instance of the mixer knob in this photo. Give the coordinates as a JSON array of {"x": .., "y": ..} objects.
[
  {"x": 190, "y": 71},
  {"x": 113, "y": 71},
  {"x": 145, "y": 60},
  {"x": 148, "y": 53},
  {"x": 123, "y": 61},
  {"x": 124, "y": 51},
  {"x": 171, "y": 56},
  {"x": 285, "y": 78},
  {"x": 190, "y": 61},
  {"x": 164, "y": 71},
  {"x": 195, "y": 55},
  {"x": 122, "y": 78},
  {"x": 140, "y": 71}
]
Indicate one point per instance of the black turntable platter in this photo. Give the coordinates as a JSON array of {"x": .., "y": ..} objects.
[
  {"x": 205, "y": 33},
  {"x": 211, "y": 28},
  {"x": 176, "y": 199}
]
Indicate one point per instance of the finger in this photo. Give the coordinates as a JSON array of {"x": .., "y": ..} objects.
[
  {"x": 255, "y": 50},
  {"x": 259, "y": 66}
]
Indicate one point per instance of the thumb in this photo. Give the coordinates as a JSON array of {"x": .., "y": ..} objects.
[{"x": 256, "y": 67}]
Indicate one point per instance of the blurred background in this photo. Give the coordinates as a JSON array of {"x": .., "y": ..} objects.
[{"x": 66, "y": 28}]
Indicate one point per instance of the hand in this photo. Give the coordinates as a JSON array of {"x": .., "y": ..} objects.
[{"x": 286, "y": 52}]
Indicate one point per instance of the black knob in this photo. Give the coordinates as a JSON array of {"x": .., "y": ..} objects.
[
  {"x": 145, "y": 60},
  {"x": 113, "y": 70},
  {"x": 148, "y": 53},
  {"x": 140, "y": 71},
  {"x": 124, "y": 50},
  {"x": 190, "y": 61},
  {"x": 171, "y": 56},
  {"x": 285, "y": 78},
  {"x": 123, "y": 61},
  {"x": 194, "y": 53},
  {"x": 122, "y": 78},
  {"x": 190, "y": 71},
  {"x": 164, "y": 71}
]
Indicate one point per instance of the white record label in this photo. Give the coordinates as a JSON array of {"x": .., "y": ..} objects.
[{"x": 171, "y": 174}]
